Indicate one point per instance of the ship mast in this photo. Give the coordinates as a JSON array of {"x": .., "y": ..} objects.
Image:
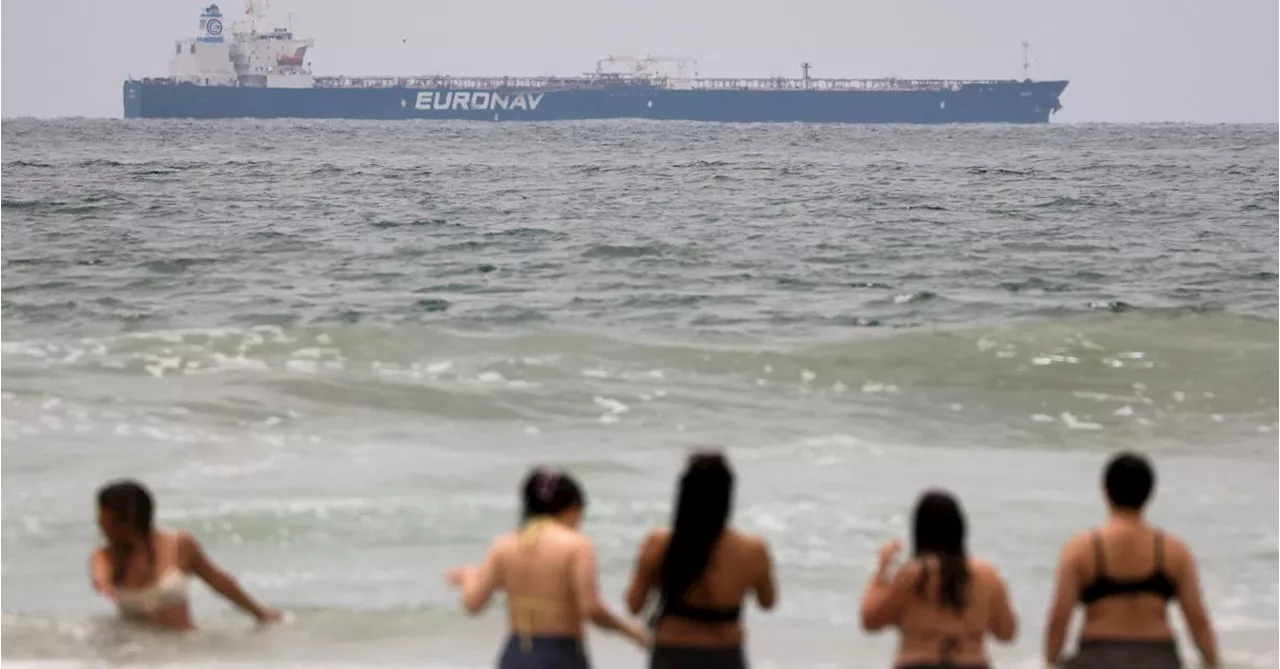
[
  {"x": 1026, "y": 64},
  {"x": 256, "y": 11}
]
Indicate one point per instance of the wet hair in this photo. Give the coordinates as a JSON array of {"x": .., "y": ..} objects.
[
  {"x": 129, "y": 503},
  {"x": 938, "y": 530},
  {"x": 703, "y": 502},
  {"x": 1129, "y": 480},
  {"x": 548, "y": 492}
]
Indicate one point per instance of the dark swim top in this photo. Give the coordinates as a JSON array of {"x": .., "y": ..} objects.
[
  {"x": 667, "y": 609},
  {"x": 1157, "y": 583},
  {"x": 700, "y": 614}
]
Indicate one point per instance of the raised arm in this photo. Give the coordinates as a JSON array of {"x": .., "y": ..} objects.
[
  {"x": 886, "y": 595},
  {"x": 766, "y": 586},
  {"x": 1066, "y": 592},
  {"x": 1190, "y": 600},
  {"x": 586, "y": 593},
  {"x": 476, "y": 585},
  {"x": 645, "y": 573},
  {"x": 193, "y": 558},
  {"x": 1004, "y": 622}
]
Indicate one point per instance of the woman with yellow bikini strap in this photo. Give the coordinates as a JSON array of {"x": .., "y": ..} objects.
[{"x": 548, "y": 571}]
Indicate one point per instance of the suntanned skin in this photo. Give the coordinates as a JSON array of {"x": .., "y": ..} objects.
[
  {"x": 172, "y": 550},
  {"x": 924, "y": 623},
  {"x": 1128, "y": 545},
  {"x": 739, "y": 566},
  {"x": 560, "y": 568}
]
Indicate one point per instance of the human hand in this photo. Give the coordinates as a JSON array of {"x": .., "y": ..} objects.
[
  {"x": 269, "y": 616},
  {"x": 888, "y": 552},
  {"x": 638, "y": 635},
  {"x": 459, "y": 575},
  {"x": 106, "y": 589}
]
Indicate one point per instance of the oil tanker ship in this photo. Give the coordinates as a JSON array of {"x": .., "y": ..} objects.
[{"x": 250, "y": 70}]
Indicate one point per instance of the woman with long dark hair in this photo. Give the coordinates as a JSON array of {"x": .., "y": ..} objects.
[
  {"x": 548, "y": 570},
  {"x": 144, "y": 569},
  {"x": 943, "y": 602},
  {"x": 703, "y": 571}
]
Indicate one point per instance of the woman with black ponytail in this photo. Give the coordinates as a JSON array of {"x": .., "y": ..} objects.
[
  {"x": 548, "y": 570},
  {"x": 703, "y": 571},
  {"x": 144, "y": 570},
  {"x": 943, "y": 601}
]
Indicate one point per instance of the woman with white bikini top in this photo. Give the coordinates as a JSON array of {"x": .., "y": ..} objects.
[{"x": 144, "y": 570}]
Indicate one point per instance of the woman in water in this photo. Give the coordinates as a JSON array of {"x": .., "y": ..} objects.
[
  {"x": 548, "y": 571},
  {"x": 1124, "y": 573},
  {"x": 144, "y": 570},
  {"x": 943, "y": 602},
  {"x": 703, "y": 570}
]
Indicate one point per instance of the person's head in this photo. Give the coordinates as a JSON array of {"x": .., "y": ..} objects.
[
  {"x": 938, "y": 531},
  {"x": 703, "y": 502},
  {"x": 125, "y": 511},
  {"x": 938, "y": 527},
  {"x": 550, "y": 492},
  {"x": 1128, "y": 481}
]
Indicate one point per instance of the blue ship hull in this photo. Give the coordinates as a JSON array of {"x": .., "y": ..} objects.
[{"x": 978, "y": 102}]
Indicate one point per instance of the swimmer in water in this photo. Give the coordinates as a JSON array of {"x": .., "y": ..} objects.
[
  {"x": 144, "y": 570},
  {"x": 943, "y": 602},
  {"x": 1125, "y": 572},
  {"x": 703, "y": 571},
  {"x": 548, "y": 571}
]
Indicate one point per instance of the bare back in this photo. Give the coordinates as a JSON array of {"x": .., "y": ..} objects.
[
  {"x": 1142, "y": 570},
  {"x": 931, "y": 632},
  {"x": 1128, "y": 553},
  {"x": 536, "y": 568},
  {"x": 738, "y": 567}
]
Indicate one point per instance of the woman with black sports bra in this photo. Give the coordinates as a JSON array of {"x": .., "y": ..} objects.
[
  {"x": 1125, "y": 573},
  {"x": 703, "y": 571}
]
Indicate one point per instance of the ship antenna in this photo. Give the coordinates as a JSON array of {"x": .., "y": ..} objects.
[{"x": 1026, "y": 65}]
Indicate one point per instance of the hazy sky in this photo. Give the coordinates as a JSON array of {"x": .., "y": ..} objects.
[{"x": 1127, "y": 60}]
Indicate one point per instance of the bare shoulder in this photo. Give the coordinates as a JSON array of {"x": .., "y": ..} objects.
[
  {"x": 503, "y": 543},
  {"x": 565, "y": 538},
  {"x": 987, "y": 574},
  {"x": 186, "y": 548},
  {"x": 1176, "y": 551},
  {"x": 1077, "y": 546},
  {"x": 1081, "y": 539},
  {"x": 751, "y": 542},
  {"x": 984, "y": 569},
  {"x": 909, "y": 574},
  {"x": 657, "y": 538},
  {"x": 183, "y": 540},
  {"x": 1173, "y": 542}
]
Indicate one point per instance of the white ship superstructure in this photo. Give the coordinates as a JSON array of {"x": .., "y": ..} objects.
[{"x": 252, "y": 55}]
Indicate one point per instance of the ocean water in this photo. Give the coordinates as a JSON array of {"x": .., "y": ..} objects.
[{"x": 332, "y": 349}]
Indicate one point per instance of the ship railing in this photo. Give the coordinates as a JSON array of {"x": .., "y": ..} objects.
[
  {"x": 591, "y": 81},
  {"x": 443, "y": 81},
  {"x": 778, "y": 83}
]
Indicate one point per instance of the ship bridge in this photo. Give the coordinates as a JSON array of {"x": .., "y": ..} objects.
[{"x": 254, "y": 54}]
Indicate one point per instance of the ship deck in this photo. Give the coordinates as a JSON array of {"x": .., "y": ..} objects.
[{"x": 594, "y": 82}]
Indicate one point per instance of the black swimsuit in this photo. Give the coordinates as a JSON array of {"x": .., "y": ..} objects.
[
  {"x": 1122, "y": 653},
  {"x": 1157, "y": 583},
  {"x": 696, "y": 657}
]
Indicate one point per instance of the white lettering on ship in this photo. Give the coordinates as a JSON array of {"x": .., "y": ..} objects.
[{"x": 476, "y": 100}]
